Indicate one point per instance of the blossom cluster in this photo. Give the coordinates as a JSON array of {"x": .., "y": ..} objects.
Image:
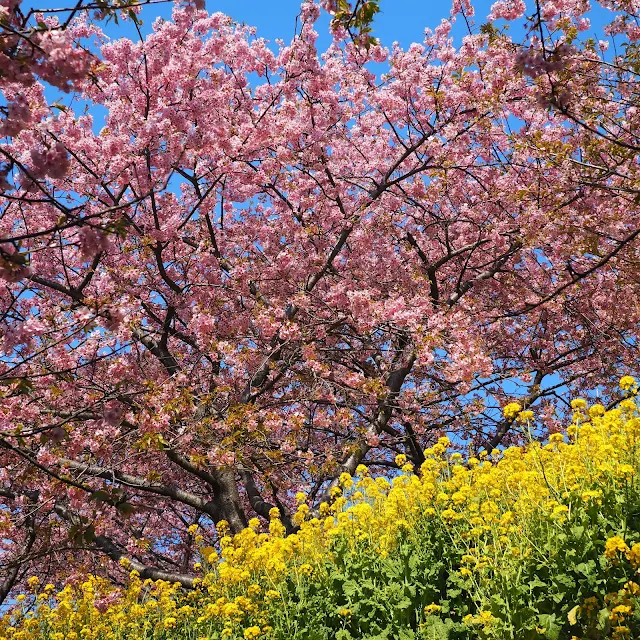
[{"x": 534, "y": 63}]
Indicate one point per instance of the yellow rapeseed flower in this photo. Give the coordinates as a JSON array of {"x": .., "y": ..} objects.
[
  {"x": 633, "y": 555},
  {"x": 170, "y": 623},
  {"x": 511, "y": 410},
  {"x": 525, "y": 416},
  {"x": 626, "y": 382},
  {"x": 578, "y": 404},
  {"x": 614, "y": 546}
]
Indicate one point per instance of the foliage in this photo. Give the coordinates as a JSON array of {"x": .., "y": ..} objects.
[
  {"x": 359, "y": 17},
  {"x": 534, "y": 542}
]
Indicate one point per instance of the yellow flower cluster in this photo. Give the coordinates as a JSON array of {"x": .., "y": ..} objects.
[
  {"x": 75, "y": 612},
  {"x": 627, "y": 383},
  {"x": 493, "y": 509},
  {"x": 511, "y": 410}
]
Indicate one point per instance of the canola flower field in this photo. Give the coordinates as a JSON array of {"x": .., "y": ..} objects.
[{"x": 535, "y": 542}]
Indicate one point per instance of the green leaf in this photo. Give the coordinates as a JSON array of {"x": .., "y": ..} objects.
[
  {"x": 350, "y": 588},
  {"x": 603, "y": 619},
  {"x": 24, "y": 387},
  {"x": 75, "y": 531},
  {"x": 125, "y": 508},
  {"x": 100, "y": 496},
  {"x": 536, "y": 582},
  {"x": 552, "y": 628},
  {"x": 90, "y": 533},
  {"x": 577, "y": 531}
]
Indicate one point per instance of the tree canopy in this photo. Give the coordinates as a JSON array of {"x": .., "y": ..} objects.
[{"x": 268, "y": 265}]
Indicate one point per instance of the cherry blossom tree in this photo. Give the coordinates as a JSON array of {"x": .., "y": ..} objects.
[{"x": 271, "y": 265}]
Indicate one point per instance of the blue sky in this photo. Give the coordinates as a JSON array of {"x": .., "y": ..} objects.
[
  {"x": 399, "y": 20},
  {"x": 403, "y": 21}
]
